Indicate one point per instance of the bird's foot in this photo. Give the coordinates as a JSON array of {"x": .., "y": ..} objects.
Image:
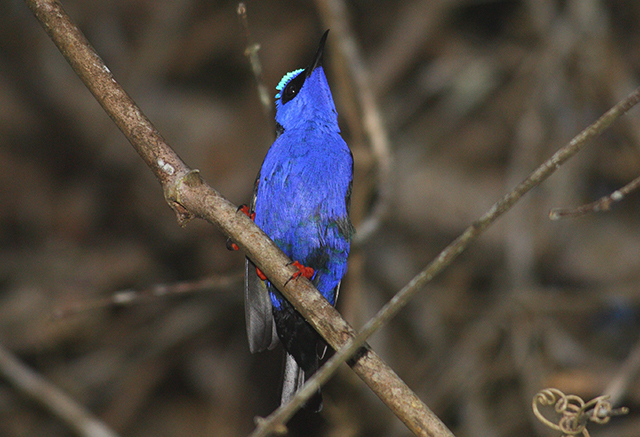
[
  {"x": 231, "y": 245},
  {"x": 252, "y": 215},
  {"x": 260, "y": 274},
  {"x": 245, "y": 209},
  {"x": 305, "y": 271}
]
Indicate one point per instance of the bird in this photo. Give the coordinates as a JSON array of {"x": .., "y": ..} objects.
[{"x": 301, "y": 200}]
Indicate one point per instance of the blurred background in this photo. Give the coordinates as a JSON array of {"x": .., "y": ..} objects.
[{"x": 473, "y": 95}]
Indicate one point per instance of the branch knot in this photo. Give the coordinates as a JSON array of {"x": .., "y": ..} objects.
[{"x": 190, "y": 179}]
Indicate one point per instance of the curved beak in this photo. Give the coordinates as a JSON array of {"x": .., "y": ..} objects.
[{"x": 317, "y": 59}]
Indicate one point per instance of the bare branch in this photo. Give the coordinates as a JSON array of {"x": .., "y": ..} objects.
[
  {"x": 51, "y": 397},
  {"x": 131, "y": 297},
  {"x": 251, "y": 52},
  {"x": 602, "y": 204},
  {"x": 146, "y": 140}
]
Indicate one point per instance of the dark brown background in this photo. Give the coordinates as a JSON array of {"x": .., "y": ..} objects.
[{"x": 474, "y": 94}]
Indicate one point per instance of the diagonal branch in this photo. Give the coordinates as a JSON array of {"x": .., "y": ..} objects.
[
  {"x": 190, "y": 196},
  {"x": 50, "y": 396},
  {"x": 143, "y": 136}
]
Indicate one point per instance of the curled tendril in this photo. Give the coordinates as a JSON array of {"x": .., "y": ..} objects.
[{"x": 575, "y": 413}]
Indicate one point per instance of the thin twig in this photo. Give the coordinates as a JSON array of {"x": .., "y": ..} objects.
[
  {"x": 189, "y": 196},
  {"x": 51, "y": 397},
  {"x": 251, "y": 52},
  {"x": 602, "y": 204},
  {"x": 132, "y": 297}
]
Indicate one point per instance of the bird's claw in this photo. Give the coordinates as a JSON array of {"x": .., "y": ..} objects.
[
  {"x": 305, "y": 271},
  {"x": 260, "y": 274},
  {"x": 245, "y": 209}
]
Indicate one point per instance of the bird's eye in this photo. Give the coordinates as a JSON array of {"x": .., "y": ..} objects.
[
  {"x": 293, "y": 87},
  {"x": 290, "y": 92}
]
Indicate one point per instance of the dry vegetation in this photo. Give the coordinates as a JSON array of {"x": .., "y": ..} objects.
[{"x": 474, "y": 94}]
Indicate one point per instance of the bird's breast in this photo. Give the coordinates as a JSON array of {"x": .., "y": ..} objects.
[{"x": 302, "y": 190}]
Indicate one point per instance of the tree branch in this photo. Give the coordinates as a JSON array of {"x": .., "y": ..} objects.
[
  {"x": 131, "y": 297},
  {"x": 29, "y": 382},
  {"x": 251, "y": 52}
]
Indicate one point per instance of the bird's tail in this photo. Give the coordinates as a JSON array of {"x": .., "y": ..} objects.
[{"x": 293, "y": 380}]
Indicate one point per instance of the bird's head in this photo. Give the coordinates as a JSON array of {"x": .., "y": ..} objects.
[{"x": 304, "y": 95}]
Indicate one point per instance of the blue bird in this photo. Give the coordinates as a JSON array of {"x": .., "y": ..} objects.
[{"x": 301, "y": 201}]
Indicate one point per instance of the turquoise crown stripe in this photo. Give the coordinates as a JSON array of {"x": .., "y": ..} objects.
[{"x": 285, "y": 80}]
